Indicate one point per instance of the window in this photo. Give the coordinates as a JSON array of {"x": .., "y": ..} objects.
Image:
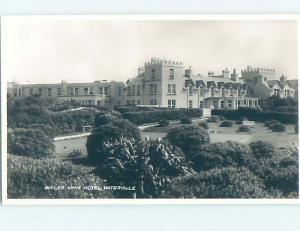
[
  {"x": 201, "y": 91},
  {"x": 119, "y": 91},
  {"x": 138, "y": 90},
  {"x": 200, "y": 104},
  {"x": 101, "y": 90},
  {"x": 15, "y": 92},
  {"x": 215, "y": 104},
  {"x": 76, "y": 91},
  {"x": 212, "y": 92},
  {"x": 99, "y": 102},
  {"x": 229, "y": 103},
  {"x": 133, "y": 90},
  {"x": 171, "y": 103},
  {"x": 58, "y": 91},
  {"x": 91, "y": 91},
  {"x": 40, "y": 91},
  {"x": 49, "y": 92},
  {"x": 171, "y": 74},
  {"x": 86, "y": 91},
  {"x": 222, "y": 104},
  {"x": 30, "y": 91},
  {"x": 153, "y": 74},
  {"x": 172, "y": 89},
  {"x": 276, "y": 91},
  {"x": 128, "y": 91},
  {"x": 152, "y": 89},
  {"x": 20, "y": 92},
  {"x": 190, "y": 90},
  {"x": 105, "y": 91},
  {"x": 223, "y": 92},
  {"x": 190, "y": 103},
  {"x": 153, "y": 102},
  {"x": 138, "y": 102}
]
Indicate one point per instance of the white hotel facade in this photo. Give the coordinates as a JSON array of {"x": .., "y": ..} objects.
[{"x": 160, "y": 83}]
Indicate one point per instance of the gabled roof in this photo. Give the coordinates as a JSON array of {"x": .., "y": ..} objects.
[
  {"x": 211, "y": 84},
  {"x": 229, "y": 85},
  {"x": 200, "y": 83},
  {"x": 221, "y": 84},
  {"x": 272, "y": 83},
  {"x": 237, "y": 86},
  {"x": 189, "y": 82},
  {"x": 293, "y": 83}
]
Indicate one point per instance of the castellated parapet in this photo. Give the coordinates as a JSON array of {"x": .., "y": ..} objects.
[{"x": 157, "y": 61}]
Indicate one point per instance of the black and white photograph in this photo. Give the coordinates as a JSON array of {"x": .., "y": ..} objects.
[{"x": 149, "y": 109}]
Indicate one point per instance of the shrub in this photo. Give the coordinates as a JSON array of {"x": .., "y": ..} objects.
[
  {"x": 262, "y": 149},
  {"x": 96, "y": 142},
  {"x": 186, "y": 120},
  {"x": 212, "y": 119},
  {"x": 29, "y": 178},
  {"x": 226, "y": 123},
  {"x": 163, "y": 123},
  {"x": 270, "y": 122},
  {"x": 188, "y": 137},
  {"x": 106, "y": 117},
  {"x": 204, "y": 125},
  {"x": 281, "y": 173},
  {"x": 30, "y": 142},
  {"x": 228, "y": 182},
  {"x": 258, "y": 116},
  {"x": 146, "y": 165},
  {"x": 277, "y": 127},
  {"x": 217, "y": 155},
  {"x": 146, "y": 115},
  {"x": 240, "y": 120},
  {"x": 244, "y": 128},
  {"x": 75, "y": 153}
]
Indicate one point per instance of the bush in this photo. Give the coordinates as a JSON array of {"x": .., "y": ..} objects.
[
  {"x": 96, "y": 142},
  {"x": 262, "y": 149},
  {"x": 277, "y": 127},
  {"x": 204, "y": 125},
  {"x": 30, "y": 142},
  {"x": 218, "y": 183},
  {"x": 188, "y": 137},
  {"x": 28, "y": 179},
  {"x": 212, "y": 119},
  {"x": 106, "y": 117},
  {"x": 146, "y": 165},
  {"x": 145, "y": 115},
  {"x": 244, "y": 128},
  {"x": 270, "y": 122},
  {"x": 218, "y": 155},
  {"x": 281, "y": 173},
  {"x": 226, "y": 123},
  {"x": 163, "y": 123},
  {"x": 240, "y": 120},
  {"x": 258, "y": 116},
  {"x": 221, "y": 118},
  {"x": 186, "y": 120}
]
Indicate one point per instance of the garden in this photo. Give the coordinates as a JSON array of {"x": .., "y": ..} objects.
[{"x": 190, "y": 158}]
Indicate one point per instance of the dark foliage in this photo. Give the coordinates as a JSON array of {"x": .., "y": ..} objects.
[
  {"x": 226, "y": 123},
  {"x": 240, "y": 120},
  {"x": 30, "y": 142},
  {"x": 244, "y": 128},
  {"x": 163, "y": 123},
  {"x": 204, "y": 125},
  {"x": 188, "y": 137},
  {"x": 277, "y": 127},
  {"x": 115, "y": 130},
  {"x": 186, "y": 120},
  {"x": 262, "y": 149},
  {"x": 213, "y": 119},
  {"x": 230, "y": 182},
  {"x": 27, "y": 179}
]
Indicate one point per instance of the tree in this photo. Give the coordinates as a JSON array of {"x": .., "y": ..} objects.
[
  {"x": 147, "y": 165},
  {"x": 262, "y": 149},
  {"x": 226, "y": 123},
  {"x": 112, "y": 131},
  {"x": 188, "y": 137},
  {"x": 163, "y": 123},
  {"x": 186, "y": 120},
  {"x": 30, "y": 142},
  {"x": 102, "y": 118}
]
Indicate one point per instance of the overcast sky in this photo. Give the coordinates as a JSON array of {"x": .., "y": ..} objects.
[{"x": 48, "y": 51}]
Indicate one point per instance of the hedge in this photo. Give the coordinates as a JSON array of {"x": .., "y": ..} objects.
[
  {"x": 258, "y": 116},
  {"x": 143, "y": 117}
]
